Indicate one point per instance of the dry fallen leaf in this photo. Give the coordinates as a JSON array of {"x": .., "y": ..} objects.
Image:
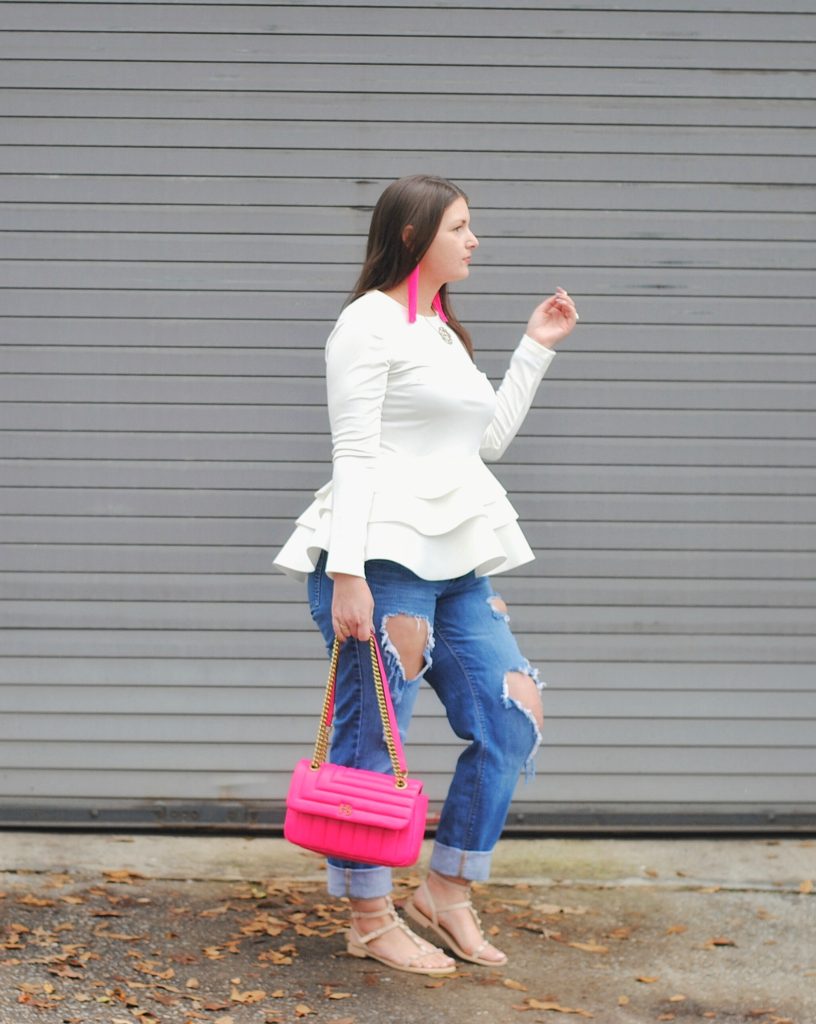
[
  {"x": 39, "y": 1003},
  {"x": 164, "y": 999},
  {"x": 648, "y": 979},
  {"x": 676, "y": 929},
  {"x": 666, "y": 1016},
  {"x": 549, "y": 909},
  {"x": 64, "y": 971},
  {"x": 718, "y": 941},
  {"x": 623, "y": 1000},
  {"x": 275, "y": 956},
  {"x": 148, "y": 967},
  {"x": 807, "y": 885},
  {"x": 123, "y": 877},
  {"x": 677, "y": 999},
  {"x": 589, "y": 947},
  {"x": 302, "y": 1010},
  {"x": 253, "y": 996},
  {"x": 35, "y": 901},
  {"x": 215, "y": 911},
  {"x": 517, "y": 985},
  {"x": 537, "y": 1004},
  {"x": 541, "y": 929}
]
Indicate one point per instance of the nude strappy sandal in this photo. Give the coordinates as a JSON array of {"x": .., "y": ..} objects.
[
  {"x": 357, "y": 944},
  {"x": 432, "y": 922}
]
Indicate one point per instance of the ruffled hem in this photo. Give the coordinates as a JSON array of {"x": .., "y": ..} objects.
[{"x": 440, "y": 525}]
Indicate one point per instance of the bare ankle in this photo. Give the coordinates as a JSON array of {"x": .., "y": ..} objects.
[
  {"x": 437, "y": 876},
  {"x": 370, "y": 903}
]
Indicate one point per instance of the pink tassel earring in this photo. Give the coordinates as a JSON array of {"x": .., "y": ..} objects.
[
  {"x": 413, "y": 288},
  {"x": 437, "y": 305}
]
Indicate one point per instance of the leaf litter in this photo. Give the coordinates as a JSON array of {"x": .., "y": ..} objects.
[{"x": 246, "y": 921}]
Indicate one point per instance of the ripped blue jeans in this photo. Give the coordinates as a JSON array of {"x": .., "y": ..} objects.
[{"x": 469, "y": 652}]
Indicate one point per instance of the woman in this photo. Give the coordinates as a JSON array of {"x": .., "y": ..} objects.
[{"x": 400, "y": 543}]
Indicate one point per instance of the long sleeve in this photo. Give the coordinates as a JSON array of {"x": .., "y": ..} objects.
[
  {"x": 528, "y": 365},
  {"x": 356, "y": 380},
  {"x": 412, "y": 421}
]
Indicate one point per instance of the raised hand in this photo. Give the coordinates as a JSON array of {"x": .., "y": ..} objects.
[{"x": 553, "y": 319}]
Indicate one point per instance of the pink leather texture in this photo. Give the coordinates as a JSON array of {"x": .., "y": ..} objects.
[{"x": 354, "y": 814}]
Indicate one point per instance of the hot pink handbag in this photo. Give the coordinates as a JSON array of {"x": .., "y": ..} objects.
[{"x": 352, "y": 813}]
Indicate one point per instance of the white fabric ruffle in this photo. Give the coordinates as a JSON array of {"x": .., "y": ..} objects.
[{"x": 445, "y": 519}]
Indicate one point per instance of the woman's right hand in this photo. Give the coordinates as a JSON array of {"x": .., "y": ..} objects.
[{"x": 352, "y": 608}]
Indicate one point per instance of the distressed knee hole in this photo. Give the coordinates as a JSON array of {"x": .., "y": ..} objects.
[
  {"x": 498, "y": 607},
  {"x": 522, "y": 690},
  {"x": 408, "y": 638}
]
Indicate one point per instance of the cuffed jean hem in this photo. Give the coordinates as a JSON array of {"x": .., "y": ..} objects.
[
  {"x": 474, "y": 865},
  {"x": 358, "y": 883}
]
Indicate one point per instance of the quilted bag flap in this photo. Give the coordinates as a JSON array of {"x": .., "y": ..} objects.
[{"x": 352, "y": 794}]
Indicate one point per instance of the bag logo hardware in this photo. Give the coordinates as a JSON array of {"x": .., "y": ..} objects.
[{"x": 345, "y": 810}]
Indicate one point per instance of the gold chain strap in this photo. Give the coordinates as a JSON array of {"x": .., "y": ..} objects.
[
  {"x": 322, "y": 742},
  {"x": 399, "y": 774}
]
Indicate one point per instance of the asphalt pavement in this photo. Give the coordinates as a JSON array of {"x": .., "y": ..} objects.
[{"x": 170, "y": 929}]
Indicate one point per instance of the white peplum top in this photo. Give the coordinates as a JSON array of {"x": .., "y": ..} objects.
[{"x": 413, "y": 421}]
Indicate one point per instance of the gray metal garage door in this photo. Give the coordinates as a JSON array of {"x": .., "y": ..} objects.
[{"x": 184, "y": 191}]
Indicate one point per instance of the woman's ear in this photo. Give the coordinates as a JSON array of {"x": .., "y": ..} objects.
[{"x": 407, "y": 235}]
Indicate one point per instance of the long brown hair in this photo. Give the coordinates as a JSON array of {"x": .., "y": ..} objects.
[{"x": 419, "y": 200}]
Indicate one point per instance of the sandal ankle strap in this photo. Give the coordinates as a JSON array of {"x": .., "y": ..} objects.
[
  {"x": 465, "y": 904},
  {"x": 387, "y": 911}
]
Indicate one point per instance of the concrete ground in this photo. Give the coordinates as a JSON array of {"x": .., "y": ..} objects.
[{"x": 160, "y": 929}]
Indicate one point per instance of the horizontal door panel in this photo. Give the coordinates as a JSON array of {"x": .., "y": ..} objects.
[
  {"x": 710, "y": 196},
  {"x": 543, "y": 646},
  {"x": 76, "y": 786},
  {"x": 349, "y": 19},
  {"x": 105, "y": 674}
]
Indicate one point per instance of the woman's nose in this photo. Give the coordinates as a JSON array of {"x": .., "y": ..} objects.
[{"x": 474, "y": 241}]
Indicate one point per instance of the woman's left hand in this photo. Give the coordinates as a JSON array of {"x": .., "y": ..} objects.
[{"x": 553, "y": 319}]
